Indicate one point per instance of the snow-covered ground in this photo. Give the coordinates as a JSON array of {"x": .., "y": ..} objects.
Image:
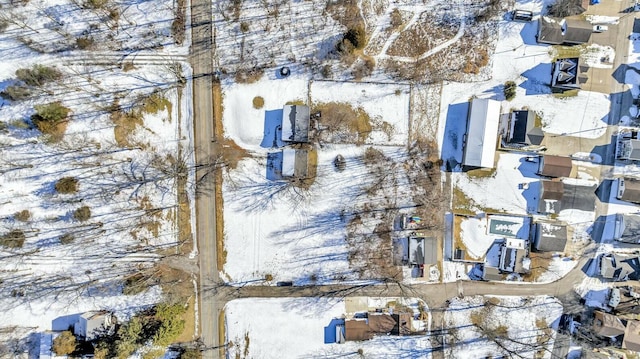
[
  {"x": 66, "y": 265},
  {"x": 295, "y": 327},
  {"x": 272, "y": 228},
  {"x": 494, "y": 326}
]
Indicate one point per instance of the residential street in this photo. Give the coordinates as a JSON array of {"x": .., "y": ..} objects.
[{"x": 201, "y": 59}]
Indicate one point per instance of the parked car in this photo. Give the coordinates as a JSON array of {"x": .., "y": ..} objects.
[
  {"x": 284, "y": 284},
  {"x": 600, "y": 28},
  {"x": 522, "y": 15}
]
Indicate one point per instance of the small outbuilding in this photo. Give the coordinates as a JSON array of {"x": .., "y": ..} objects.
[
  {"x": 295, "y": 123},
  {"x": 554, "y": 166},
  {"x": 295, "y": 163},
  {"x": 422, "y": 251},
  {"x": 482, "y": 133},
  {"x": 514, "y": 256},
  {"x": 92, "y": 323}
]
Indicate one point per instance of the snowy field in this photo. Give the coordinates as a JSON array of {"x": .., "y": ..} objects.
[
  {"x": 501, "y": 326},
  {"x": 272, "y": 228},
  {"x": 295, "y": 328},
  {"x": 78, "y": 247}
]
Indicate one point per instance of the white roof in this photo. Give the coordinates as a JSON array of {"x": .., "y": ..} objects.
[
  {"x": 287, "y": 126},
  {"x": 482, "y": 133},
  {"x": 288, "y": 162}
]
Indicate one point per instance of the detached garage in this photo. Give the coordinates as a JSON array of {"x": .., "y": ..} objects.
[{"x": 482, "y": 133}]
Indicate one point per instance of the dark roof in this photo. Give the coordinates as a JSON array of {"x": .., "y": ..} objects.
[
  {"x": 563, "y": 31},
  {"x": 381, "y": 323},
  {"x": 551, "y": 190},
  {"x": 551, "y": 237},
  {"x": 554, "y": 166},
  {"x": 565, "y": 74},
  {"x": 577, "y": 31},
  {"x": 549, "y": 31},
  {"x": 631, "y": 190},
  {"x": 523, "y": 128}
]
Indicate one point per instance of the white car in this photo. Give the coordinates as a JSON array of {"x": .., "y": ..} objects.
[{"x": 600, "y": 28}]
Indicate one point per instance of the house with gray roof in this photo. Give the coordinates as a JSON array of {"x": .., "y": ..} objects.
[
  {"x": 295, "y": 163},
  {"x": 566, "y": 75},
  {"x": 550, "y": 199},
  {"x": 550, "y": 236},
  {"x": 619, "y": 268},
  {"x": 523, "y": 129},
  {"x": 563, "y": 31},
  {"x": 514, "y": 256},
  {"x": 295, "y": 123},
  {"x": 422, "y": 250},
  {"x": 482, "y": 133}
]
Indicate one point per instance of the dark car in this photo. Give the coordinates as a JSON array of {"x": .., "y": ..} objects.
[{"x": 285, "y": 284}]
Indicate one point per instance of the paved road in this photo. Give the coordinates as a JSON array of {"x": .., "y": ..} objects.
[{"x": 201, "y": 59}]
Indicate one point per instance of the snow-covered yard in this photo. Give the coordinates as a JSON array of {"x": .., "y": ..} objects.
[
  {"x": 494, "y": 326},
  {"x": 68, "y": 248},
  {"x": 273, "y": 228},
  {"x": 295, "y": 327}
]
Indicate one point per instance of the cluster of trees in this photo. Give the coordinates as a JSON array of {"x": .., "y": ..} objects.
[{"x": 158, "y": 326}]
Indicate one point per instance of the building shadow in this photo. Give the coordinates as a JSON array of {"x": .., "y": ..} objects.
[
  {"x": 532, "y": 195},
  {"x": 603, "y": 192},
  {"x": 528, "y": 33},
  {"x": 454, "y": 132},
  {"x": 272, "y": 133},
  {"x": 274, "y": 166},
  {"x": 330, "y": 331},
  {"x": 538, "y": 80},
  {"x": 64, "y": 322}
]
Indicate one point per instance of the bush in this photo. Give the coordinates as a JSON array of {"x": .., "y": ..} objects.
[
  {"x": 396, "y": 18},
  {"x": 22, "y": 216},
  {"x": 13, "y": 239},
  {"x": 356, "y": 36},
  {"x": 38, "y": 75},
  {"x": 64, "y": 344},
  {"x": 16, "y": 92},
  {"x": 84, "y": 42},
  {"x": 171, "y": 323},
  {"x": 190, "y": 353},
  {"x": 66, "y": 238},
  {"x": 244, "y": 26},
  {"x": 67, "y": 185},
  {"x": 510, "y": 90},
  {"x": 258, "y": 102},
  {"x": 49, "y": 118},
  {"x": 82, "y": 214}
]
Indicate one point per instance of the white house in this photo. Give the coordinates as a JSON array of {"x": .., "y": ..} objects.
[
  {"x": 89, "y": 324},
  {"x": 482, "y": 133}
]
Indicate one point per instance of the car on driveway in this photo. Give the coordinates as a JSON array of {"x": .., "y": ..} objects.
[{"x": 600, "y": 28}]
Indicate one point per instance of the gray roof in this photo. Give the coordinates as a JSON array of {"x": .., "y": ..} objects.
[
  {"x": 550, "y": 237},
  {"x": 563, "y": 31},
  {"x": 422, "y": 250},
  {"x": 295, "y": 123},
  {"x": 491, "y": 273},
  {"x": 295, "y": 163},
  {"x": 630, "y": 224}
]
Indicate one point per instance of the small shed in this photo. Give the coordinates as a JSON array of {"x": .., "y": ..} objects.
[
  {"x": 422, "y": 251},
  {"x": 91, "y": 323},
  {"x": 482, "y": 133},
  {"x": 628, "y": 190},
  {"x": 491, "y": 273},
  {"x": 629, "y": 150},
  {"x": 554, "y": 166},
  {"x": 295, "y": 163},
  {"x": 550, "y": 237},
  {"x": 551, "y": 194},
  {"x": 295, "y": 123}
]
